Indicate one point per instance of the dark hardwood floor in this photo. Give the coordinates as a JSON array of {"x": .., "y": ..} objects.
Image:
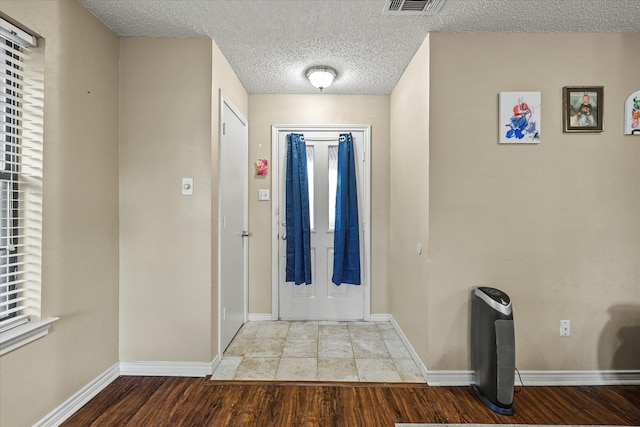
[{"x": 174, "y": 401}]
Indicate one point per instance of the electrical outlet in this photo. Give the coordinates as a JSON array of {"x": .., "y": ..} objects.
[{"x": 565, "y": 328}]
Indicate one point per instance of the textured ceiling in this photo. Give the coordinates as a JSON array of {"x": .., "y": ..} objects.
[{"x": 270, "y": 43}]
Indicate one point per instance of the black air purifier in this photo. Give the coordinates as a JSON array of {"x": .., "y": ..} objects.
[{"x": 493, "y": 349}]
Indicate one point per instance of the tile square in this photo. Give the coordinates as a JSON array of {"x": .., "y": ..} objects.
[
  {"x": 334, "y": 348},
  {"x": 298, "y": 369},
  {"x": 364, "y": 331},
  {"x": 339, "y": 332},
  {"x": 337, "y": 370},
  {"x": 377, "y": 370},
  {"x": 397, "y": 349},
  {"x": 257, "y": 368},
  {"x": 266, "y": 347},
  {"x": 370, "y": 349},
  {"x": 408, "y": 371},
  {"x": 300, "y": 348},
  {"x": 303, "y": 331},
  {"x": 227, "y": 368},
  {"x": 238, "y": 346},
  {"x": 248, "y": 330},
  {"x": 387, "y": 331},
  {"x": 277, "y": 329}
]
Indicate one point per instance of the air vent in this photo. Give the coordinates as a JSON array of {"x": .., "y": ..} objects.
[{"x": 412, "y": 7}]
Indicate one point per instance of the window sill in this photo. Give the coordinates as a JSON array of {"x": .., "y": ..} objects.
[{"x": 24, "y": 334}]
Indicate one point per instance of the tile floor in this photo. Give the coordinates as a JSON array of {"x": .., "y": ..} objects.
[{"x": 318, "y": 351}]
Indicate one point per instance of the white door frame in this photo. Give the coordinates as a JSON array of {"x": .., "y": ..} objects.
[
  {"x": 275, "y": 221},
  {"x": 224, "y": 100}
]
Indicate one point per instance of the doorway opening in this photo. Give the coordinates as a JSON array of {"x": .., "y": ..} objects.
[{"x": 321, "y": 300}]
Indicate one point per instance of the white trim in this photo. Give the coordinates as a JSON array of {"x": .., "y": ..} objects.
[
  {"x": 24, "y": 334},
  {"x": 166, "y": 369},
  {"x": 260, "y": 317},
  {"x": 449, "y": 378},
  {"x": 575, "y": 378},
  {"x": 215, "y": 363},
  {"x": 366, "y": 221},
  {"x": 543, "y": 378},
  {"x": 80, "y": 398}
]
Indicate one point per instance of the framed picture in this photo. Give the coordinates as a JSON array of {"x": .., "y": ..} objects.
[
  {"x": 582, "y": 108},
  {"x": 519, "y": 118},
  {"x": 632, "y": 114}
]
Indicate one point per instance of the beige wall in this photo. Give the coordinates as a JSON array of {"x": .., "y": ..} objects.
[
  {"x": 409, "y": 217},
  {"x": 267, "y": 110},
  {"x": 555, "y": 225},
  {"x": 80, "y": 220},
  {"x": 165, "y": 238},
  {"x": 225, "y": 81}
]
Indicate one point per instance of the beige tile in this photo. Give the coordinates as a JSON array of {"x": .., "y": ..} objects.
[
  {"x": 370, "y": 349},
  {"x": 397, "y": 349},
  {"x": 303, "y": 330},
  {"x": 387, "y": 331},
  {"x": 266, "y": 347},
  {"x": 408, "y": 371},
  {"x": 364, "y": 331},
  {"x": 340, "y": 332},
  {"x": 277, "y": 329},
  {"x": 298, "y": 369},
  {"x": 334, "y": 348},
  {"x": 257, "y": 368},
  {"x": 227, "y": 368},
  {"x": 300, "y": 348},
  {"x": 377, "y": 370},
  {"x": 238, "y": 346},
  {"x": 248, "y": 330},
  {"x": 337, "y": 370}
]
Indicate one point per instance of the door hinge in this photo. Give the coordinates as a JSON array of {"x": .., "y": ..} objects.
[{"x": 224, "y": 128}]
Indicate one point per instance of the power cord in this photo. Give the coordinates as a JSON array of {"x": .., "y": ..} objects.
[{"x": 521, "y": 383}]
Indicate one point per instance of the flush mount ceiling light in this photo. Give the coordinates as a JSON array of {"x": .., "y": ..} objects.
[{"x": 321, "y": 77}]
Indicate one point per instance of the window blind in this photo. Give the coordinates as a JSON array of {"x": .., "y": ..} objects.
[{"x": 20, "y": 178}]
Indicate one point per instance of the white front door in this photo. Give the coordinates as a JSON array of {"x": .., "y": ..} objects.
[
  {"x": 322, "y": 299},
  {"x": 233, "y": 221}
]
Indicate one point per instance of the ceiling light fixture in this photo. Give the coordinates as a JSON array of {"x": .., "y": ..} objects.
[{"x": 321, "y": 77}]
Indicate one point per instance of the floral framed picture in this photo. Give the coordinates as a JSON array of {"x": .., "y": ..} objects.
[
  {"x": 582, "y": 108},
  {"x": 632, "y": 114},
  {"x": 519, "y": 121}
]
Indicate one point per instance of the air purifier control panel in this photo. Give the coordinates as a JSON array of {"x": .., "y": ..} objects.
[{"x": 496, "y": 295}]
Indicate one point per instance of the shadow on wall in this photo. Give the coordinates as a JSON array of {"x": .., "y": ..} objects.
[{"x": 619, "y": 345}]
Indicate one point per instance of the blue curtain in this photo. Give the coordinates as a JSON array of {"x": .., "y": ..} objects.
[
  {"x": 346, "y": 244},
  {"x": 298, "y": 229}
]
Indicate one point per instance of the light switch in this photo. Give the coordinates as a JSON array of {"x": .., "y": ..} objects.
[
  {"x": 187, "y": 186},
  {"x": 263, "y": 194}
]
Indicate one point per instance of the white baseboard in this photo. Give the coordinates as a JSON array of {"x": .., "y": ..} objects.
[
  {"x": 259, "y": 317},
  {"x": 575, "y": 378},
  {"x": 80, "y": 398},
  {"x": 381, "y": 317},
  {"x": 166, "y": 369},
  {"x": 542, "y": 378},
  {"x": 529, "y": 378},
  {"x": 215, "y": 363}
]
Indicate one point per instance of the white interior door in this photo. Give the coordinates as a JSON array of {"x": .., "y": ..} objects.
[
  {"x": 233, "y": 222},
  {"x": 322, "y": 299}
]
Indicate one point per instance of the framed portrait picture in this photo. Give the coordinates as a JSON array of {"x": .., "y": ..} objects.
[{"x": 582, "y": 108}]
